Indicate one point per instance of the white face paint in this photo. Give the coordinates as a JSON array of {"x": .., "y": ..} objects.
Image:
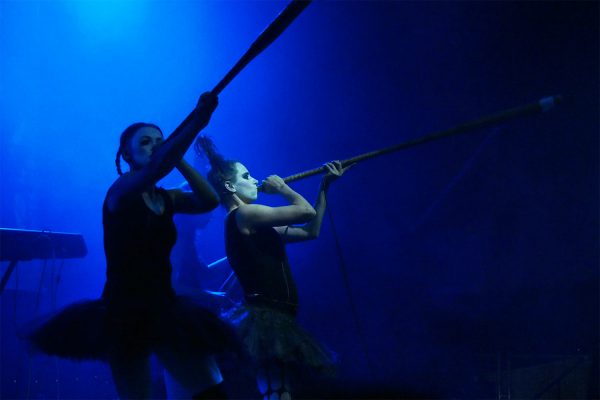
[
  {"x": 245, "y": 186},
  {"x": 142, "y": 145}
]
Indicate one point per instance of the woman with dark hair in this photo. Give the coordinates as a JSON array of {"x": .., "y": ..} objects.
[
  {"x": 139, "y": 313},
  {"x": 255, "y": 238}
]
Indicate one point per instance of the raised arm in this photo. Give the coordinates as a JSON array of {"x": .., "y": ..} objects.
[
  {"x": 253, "y": 216},
  {"x": 201, "y": 198},
  {"x": 312, "y": 229},
  {"x": 166, "y": 157}
]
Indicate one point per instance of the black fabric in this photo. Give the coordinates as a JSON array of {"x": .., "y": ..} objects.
[
  {"x": 138, "y": 311},
  {"x": 216, "y": 392},
  {"x": 137, "y": 244},
  {"x": 266, "y": 322},
  {"x": 271, "y": 336},
  {"x": 260, "y": 264}
]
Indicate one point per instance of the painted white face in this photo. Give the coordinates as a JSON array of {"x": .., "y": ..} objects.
[
  {"x": 142, "y": 145},
  {"x": 245, "y": 186}
]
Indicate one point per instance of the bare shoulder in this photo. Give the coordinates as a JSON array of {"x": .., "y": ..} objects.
[
  {"x": 252, "y": 216},
  {"x": 249, "y": 216},
  {"x": 119, "y": 191},
  {"x": 247, "y": 210},
  {"x": 112, "y": 195}
]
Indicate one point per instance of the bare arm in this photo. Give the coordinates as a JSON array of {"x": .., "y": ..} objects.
[
  {"x": 312, "y": 229},
  {"x": 201, "y": 199},
  {"x": 166, "y": 157},
  {"x": 253, "y": 216}
]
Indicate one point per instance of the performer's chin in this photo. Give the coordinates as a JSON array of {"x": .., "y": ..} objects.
[{"x": 250, "y": 198}]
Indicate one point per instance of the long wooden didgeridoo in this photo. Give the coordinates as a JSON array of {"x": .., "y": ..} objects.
[
  {"x": 540, "y": 106},
  {"x": 268, "y": 36}
]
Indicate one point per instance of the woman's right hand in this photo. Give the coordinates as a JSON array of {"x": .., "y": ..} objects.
[
  {"x": 207, "y": 103},
  {"x": 273, "y": 184}
]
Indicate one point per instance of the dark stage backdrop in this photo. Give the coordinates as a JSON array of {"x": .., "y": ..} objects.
[{"x": 472, "y": 262}]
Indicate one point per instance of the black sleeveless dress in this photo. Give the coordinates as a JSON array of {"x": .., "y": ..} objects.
[
  {"x": 138, "y": 311},
  {"x": 266, "y": 321}
]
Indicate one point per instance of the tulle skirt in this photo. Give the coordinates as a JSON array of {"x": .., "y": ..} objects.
[
  {"x": 98, "y": 330},
  {"x": 269, "y": 335}
]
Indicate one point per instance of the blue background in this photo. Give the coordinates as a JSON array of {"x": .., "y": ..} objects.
[{"x": 456, "y": 252}]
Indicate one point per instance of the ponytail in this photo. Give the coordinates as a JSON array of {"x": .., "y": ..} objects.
[
  {"x": 221, "y": 170},
  {"x": 118, "y": 162}
]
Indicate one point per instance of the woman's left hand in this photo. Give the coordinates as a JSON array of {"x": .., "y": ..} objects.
[{"x": 335, "y": 170}]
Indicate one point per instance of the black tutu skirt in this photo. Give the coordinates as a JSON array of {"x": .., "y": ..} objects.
[
  {"x": 97, "y": 330},
  {"x": 271, "y": 335}
]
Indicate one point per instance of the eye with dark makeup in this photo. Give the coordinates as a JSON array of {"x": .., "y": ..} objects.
[{"x": 146, "y": 140}]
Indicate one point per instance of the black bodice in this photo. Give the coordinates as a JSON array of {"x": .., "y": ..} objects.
[
  {"x": 137, "y": 244},
  {"x": 261, "y": 265}
]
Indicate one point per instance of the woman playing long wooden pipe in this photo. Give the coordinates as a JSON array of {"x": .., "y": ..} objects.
[
  {"x": 255, "y": 237},
  {"x": 139, "y": 313}
]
